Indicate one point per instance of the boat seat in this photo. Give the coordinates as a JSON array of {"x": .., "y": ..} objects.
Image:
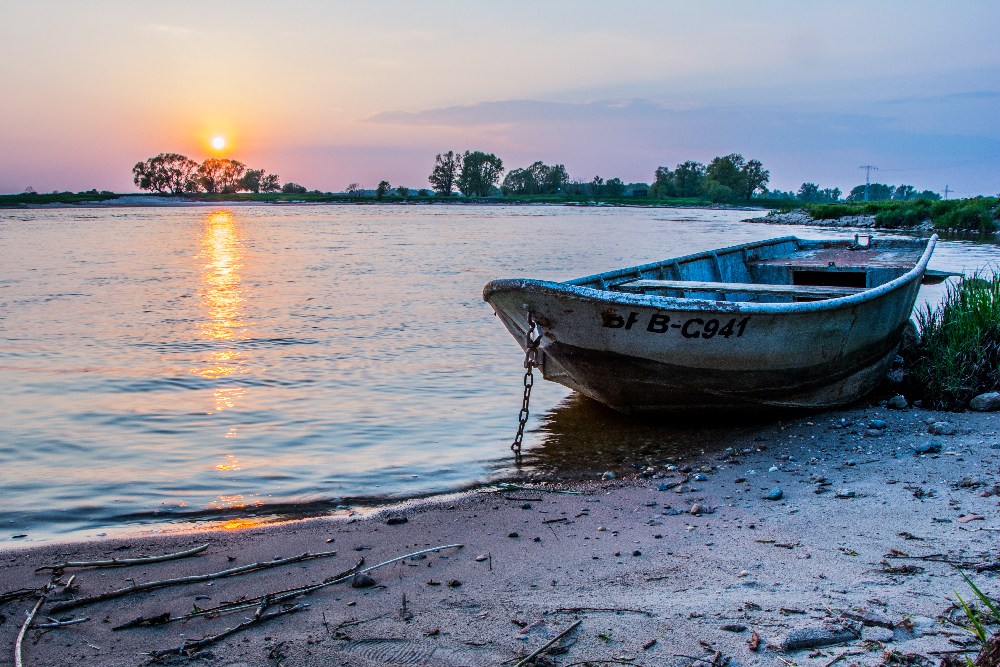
[{"x": 810, "y": 291}]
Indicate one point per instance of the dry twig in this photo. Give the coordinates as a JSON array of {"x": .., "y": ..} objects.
[
  {"x": 258, "y": 617},
  {"x": 124, "y": 562},
  {"x": 24, "y": 630},
  {"x": 546, "y": 647}
]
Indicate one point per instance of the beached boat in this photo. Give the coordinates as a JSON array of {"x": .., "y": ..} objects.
[{"x": 783, "y": 323}]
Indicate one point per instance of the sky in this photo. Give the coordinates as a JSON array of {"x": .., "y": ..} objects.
[{"x": 327, "y": 93}]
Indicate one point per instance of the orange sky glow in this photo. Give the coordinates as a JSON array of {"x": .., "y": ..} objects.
[{"x": 327, "y": 93}]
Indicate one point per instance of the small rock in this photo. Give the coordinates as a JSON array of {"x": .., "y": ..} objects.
[
  {"x": 685, "y": 468},
  {"x": 850, "y": 462},
  {"x": 986, "y": 402},
  {"x": 695, "y": 508},
  {"x": 481, "y": 558},
  {"x": 454, "y": 583},
  {"x": 876, "y": 634},
  {"x": 965, "y": 431},
  {"x": 818, "y": 636},
  {"x": 928, "y": 448},
  {"x": 662, "y": 487},
  {"x": 636, "y": 553},
  {"x": 700, "y": 478},
  {"x": 773, "y": 469},
  {"x": 705, "y": 469},
  {"x": 897, "y": 403},
  {"x": 740, "y": 480},
  {"x": 873, "y": 433},
  {"x": 733, "y": 627},
  {"x": 846, "y": 493},
  {"x": 877, "y": 424},
  {"x": 941, "y": 428},
  {"x": 526, "y": 506},
  {"x": 601, "y": 529},
  {"x": 396, "y": 520},
  {"x": 743, "y": 573},
  {"x": 362, "y": 581},
  {"x": 513, "y": 535},
  {"x": 775, "y": 494},
  {"x": 608, "y": 475},
  {"x": 869, "y": 619}
]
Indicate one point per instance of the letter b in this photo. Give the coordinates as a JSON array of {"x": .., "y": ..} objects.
[{"x": 658, "y": 323}]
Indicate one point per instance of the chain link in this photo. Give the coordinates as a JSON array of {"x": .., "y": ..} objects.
[{"x": 532, "y": 338}]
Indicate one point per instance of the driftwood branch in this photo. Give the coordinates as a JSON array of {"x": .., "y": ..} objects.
[
  {"x": 258, "y": 617},
  {"x": 59, "y": 624},
  {"x": 543, "y": 649},
  {"x": 574, "y": 610},
  {"x": 24, "y": 629},
  {"x": 280, "y": 596},
  {"x": 124, "y": 562},
  {"x": 121, "y": 592},
  {"x": 19, "y": 594}
]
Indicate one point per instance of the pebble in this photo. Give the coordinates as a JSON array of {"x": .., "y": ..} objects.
[
  {"x": 513, "y": 535},
  {"x": 850, "y": 462},
  {"x": 928, "y": 448},
  {"x": 733, "y": 627},
  {"x": 636, "y": 553},
  {"x": 662, "y": 487},
  {"x": 877, "y": 634},
  {"x": 526, "y": 506},
  {"x": 941, "y": 428},
  {"x": 743, "y": 573},
  {"x": 701, "y": 478},
  {"x": 601, "y": 529},
  {"x": 773, "y": 469},
  {"x": 608, "y": 475},
  {"x": 986, "y": 402},
  {"x": 362, "y": 581},
  {"x": 877, "y": 424},
  {"x": 396, "y": 520},
  {"x": 846, "y": 493},
  {"x": 480, "y": 558},
  {"x": 740, "y": 480},
  {"x": 685, "y": 468},
  {"x": 873, "y": 433},
  {"x": 775, "y": 494},
  {"x": 695, "y": 508},
  {"x": 897, "y": 403}
]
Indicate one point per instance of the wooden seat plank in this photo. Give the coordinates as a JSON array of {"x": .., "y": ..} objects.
[{"x": 814, "y": 291}]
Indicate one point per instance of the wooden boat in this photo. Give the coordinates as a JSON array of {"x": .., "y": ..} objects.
[{"x": 783, "y": 323}]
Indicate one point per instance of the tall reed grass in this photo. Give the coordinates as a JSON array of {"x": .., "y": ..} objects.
[{"x": 958, "y": 355}]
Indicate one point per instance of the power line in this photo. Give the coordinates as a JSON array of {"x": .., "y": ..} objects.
[{"x": 868, "y": 172}]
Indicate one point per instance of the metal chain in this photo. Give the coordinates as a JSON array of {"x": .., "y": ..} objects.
[{"x": 532, "y": 338}]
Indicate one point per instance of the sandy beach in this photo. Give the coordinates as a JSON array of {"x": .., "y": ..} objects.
[{"x": 651, "y": 583}]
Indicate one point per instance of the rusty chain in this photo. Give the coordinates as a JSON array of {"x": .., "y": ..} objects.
[{"x": 532, "y": 338}]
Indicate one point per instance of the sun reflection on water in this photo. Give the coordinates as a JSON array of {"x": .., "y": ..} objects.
[{"x": 223, "y": 300}]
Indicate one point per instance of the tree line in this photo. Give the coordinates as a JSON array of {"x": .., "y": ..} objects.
[
  {"x": 811, "y": 193},
  {"x": 175, "y": 174}
]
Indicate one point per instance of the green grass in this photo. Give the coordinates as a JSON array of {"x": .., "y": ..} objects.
[
  {"x": 958, "y": 356},
  {"x": 979, "y": 214}
]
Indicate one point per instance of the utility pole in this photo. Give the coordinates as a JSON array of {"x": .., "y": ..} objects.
[
  {"x": 946, "y": 191},
  {"x": 868, "y": 171}
]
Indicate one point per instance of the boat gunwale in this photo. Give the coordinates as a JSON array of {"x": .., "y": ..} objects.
[{"x": 570, "y": 288}]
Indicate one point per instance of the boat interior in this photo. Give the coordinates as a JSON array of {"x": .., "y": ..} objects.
[{"x": 774, "y": 271}]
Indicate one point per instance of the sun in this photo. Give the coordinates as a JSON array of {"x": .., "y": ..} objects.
[{"x": 218, "y": 143}]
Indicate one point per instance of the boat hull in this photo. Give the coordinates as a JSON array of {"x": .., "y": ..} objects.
[{"x": 639, "y": 353}]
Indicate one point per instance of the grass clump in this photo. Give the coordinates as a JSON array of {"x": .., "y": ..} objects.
[
  {"x": 958, "y": 356},
  {"x": 976, "y": 618},
  {"x": 978, "y": 214}
]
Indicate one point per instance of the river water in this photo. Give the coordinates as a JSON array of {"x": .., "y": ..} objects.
[{"x": 162, "y": 366}]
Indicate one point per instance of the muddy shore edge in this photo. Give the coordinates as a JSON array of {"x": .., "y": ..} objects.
[{"x": 875, "y": 522}]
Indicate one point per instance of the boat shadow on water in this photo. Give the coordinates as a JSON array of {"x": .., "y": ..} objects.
[{"x": 583, "y": 438}]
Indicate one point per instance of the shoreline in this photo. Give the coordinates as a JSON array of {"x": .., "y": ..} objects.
[{"x": 769, "y": 566}]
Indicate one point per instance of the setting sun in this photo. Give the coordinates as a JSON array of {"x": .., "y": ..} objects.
[{"x": 218, "y": 143}]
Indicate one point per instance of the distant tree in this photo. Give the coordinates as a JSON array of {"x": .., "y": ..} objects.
[
  {"x": 755, "y": 179},
  {"x": 293, "y": 188},
  {"x": 688, "y": 179},
  {"x": 270, "y": 183},
  {"x": 554, "y": 178},
  {"x": 727, "y": 171},
  {"x": 614, "y": 187},
  {"x": 928, "y": 194},
  {"x": 230, "y": 174},
  {"x": 446, "y": 167},
  {"x": 381, "y": 189},
  {"x": 597, "y": 186},
  {"x": 354, "y": 189},
  {"x": 167, "y": 172},
  {"x": 519, "y": 182},
  {"x": 402, "y": 191},
  {"x": 904, "y": 193},
  {"x": 717, "y": 192},
  {"x": 480, "y": 172},
  {"x": 876, "y": 192},
  {"x": 423, "y": 192},
  {"x": 209, "y": 173},
  {"x": 808, "y": 192},
  {"x": 663, "y": 184},
  {"x": 250, "y": 180}
]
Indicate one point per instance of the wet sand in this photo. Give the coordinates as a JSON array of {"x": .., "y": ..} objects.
[{"x": 769, "y": 566}]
